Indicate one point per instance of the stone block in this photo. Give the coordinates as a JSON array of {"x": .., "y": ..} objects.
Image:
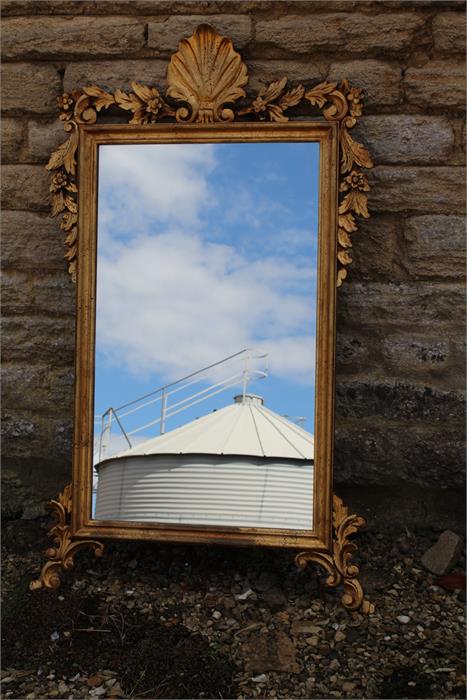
[
  {"x": 165, "y": 33},
  {"x": 368, "y": 306},
  {"x": 436, "y": 84},
  {"x": 436, "y": 361},
  {"x": 12, "y": 139},
  {"x": 43, "y": 139},
  {"x": 32, "y": 241},
  {"x": 378, "y": 452},
  {"x": 37, "y": 387},
  {"x": 25, "y": 187},
  {"x": 436, "y": 246},
  {"x": 388, "y": 32},
  {"x": 156, "y": 7},
  {"x": 36, "y": 450},
  {"x": 376, "y": 249},
  {"x": 27, "y": 431},
  {"x": 366, "y": 453},
  {"x": 449, "y": 32},
  {"x": 437, "y": 190},
  {"x": 381, "y": 80},
  {"x": 398, "y": 401},
  {"x": 406, "y": 138},
  {"x": 444, "y": 554},
  {"x": 30, "y": 88},
  {"x": 307, "y": 72},
  {"x": 37, "y": 339},
  {"x": 115, "y": 74},
  {"x": 25, "y": 293},
  {"x": 71, "y": 37},
  {"x": 353, "y": 352},
  {"x": 54, "y": 294}
]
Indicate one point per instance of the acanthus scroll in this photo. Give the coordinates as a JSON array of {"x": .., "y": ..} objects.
[
  {"x": 62, "y": 554},
  {"x": 337, "y": 563}
]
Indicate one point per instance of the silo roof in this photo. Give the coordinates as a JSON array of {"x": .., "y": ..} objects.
[{"x": 245, "y": 427}]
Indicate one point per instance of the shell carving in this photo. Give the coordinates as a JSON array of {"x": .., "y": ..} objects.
[{"x": 206, "y": 73}]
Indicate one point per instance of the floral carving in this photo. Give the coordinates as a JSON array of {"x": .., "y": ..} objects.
[
  {"x": 338, "y": 563},
  {"x": 272, "y": 101},
  {"x": 206, "y": 79},
  {"x": 62, "y": 554}
]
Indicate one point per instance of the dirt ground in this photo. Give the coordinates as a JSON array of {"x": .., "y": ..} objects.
[{"x": 150, "y": 621}]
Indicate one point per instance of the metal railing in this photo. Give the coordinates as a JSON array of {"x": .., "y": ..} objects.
[{"x": 163, "y": 404}]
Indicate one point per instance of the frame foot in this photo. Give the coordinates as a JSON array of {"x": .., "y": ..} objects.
[
  {"x": 62, "y": 554},
  {"x": 337, "y": 563}
]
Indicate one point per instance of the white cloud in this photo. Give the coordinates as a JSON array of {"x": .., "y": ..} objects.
[
  {"x": 140, "y": 181},
  {"x": 174, "y": 303},
  {"x": 170, "y": 300}
]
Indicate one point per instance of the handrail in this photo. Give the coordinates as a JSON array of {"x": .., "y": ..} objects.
[{"x": 163, "y": 394}]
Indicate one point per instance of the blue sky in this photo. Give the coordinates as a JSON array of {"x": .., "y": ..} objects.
[{"x": 204, "y": 249}]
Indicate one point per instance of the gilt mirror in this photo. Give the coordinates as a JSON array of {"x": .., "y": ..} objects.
[{"x": 207, "y": 238}]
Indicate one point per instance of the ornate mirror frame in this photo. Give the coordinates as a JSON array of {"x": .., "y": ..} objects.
[{"x": 206, "y": 102}]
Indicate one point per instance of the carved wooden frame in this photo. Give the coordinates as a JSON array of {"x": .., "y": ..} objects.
[{"x": 205, "y": 95}]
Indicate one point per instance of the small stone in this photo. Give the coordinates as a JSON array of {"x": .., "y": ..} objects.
[
  {"x": 348, "y": 687},
  {"x": 93, "y": 681},
  {"x": 339, "y": 636},
  {"x": 270, "y": 651},
  {"x": 217, "y": 615},
  {"x": 62, "y": 688},
  {"x": 97, "y": 692},
  {"x": 442, "y": 556},
  {"x": 403, "y": 619},
  {"x": 305, "y": 627},
  {"x": 244, "y": 596},
  {"x": 211, "y": 599},
  {"x": 312, "y": 641},
  {"x": 262, "y": 678}
]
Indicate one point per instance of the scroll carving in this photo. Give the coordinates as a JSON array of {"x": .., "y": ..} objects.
[
  {"x": 61, "y": 555},
  {"x": 206, "y": 80},
  {"x": 338, "y": 563}
]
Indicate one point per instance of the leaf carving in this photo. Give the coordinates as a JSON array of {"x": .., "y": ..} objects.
[
  {"x": 343, "y": 238},
  {"x": 129, "y": 102},
  {"x": 292, "y": 98},
  {"x": 58, "y": 203},
  {"x": 272, "y": 91},
  {"x": 103, "y": 99},
  {"x": 353, "y": 153}
]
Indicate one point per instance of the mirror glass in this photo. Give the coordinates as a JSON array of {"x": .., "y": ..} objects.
[{"x": 205, "y": 334}]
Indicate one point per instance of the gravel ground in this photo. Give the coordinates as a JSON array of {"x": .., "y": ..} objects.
[{"x": 150, "y": 621}]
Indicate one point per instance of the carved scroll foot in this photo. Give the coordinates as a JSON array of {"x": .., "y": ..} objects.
[
  {"x": 62, "y": 554},
  {"x": 337, "y": 563}
]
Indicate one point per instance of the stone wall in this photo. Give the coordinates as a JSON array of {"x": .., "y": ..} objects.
[{"x": 400, "y": 371}]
